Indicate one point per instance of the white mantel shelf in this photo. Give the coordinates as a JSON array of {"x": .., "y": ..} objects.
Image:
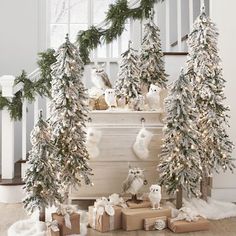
[
  {"x": 124, "y": 112},
  {"x": 126, "y": 119}
]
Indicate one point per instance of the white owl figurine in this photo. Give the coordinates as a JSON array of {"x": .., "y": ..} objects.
[
  {"x": 153, "y": 97},
  {"x": 100, "y": 78},
  {"x": 155, "y": 196},
  {"x": 134, "y": 182},
  {"x": 139, "y": 103},
  {"x": 110, "y": 98}
]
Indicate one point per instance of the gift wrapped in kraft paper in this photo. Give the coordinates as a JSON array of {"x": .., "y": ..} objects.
[
  {"x": 183, "y": 226},
  {"x": 133, "y": 219},
  {"x": 106, "y": 214},
  {"x": 156, "y": 223},
  {"x": 68, "y": 221},
  {"x": 144, "y": 204}
]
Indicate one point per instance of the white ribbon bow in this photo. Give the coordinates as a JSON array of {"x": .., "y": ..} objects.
[
  {"x": 116, "y": 200},
  {"x": 66, "y": 211},
  {"x": 53, "y": 226},
  {"x": 104, "y": 205},
  {"x": 159, "y": 224}
]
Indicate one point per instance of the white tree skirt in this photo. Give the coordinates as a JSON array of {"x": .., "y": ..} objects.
[
  {"x": 33, "y": 227},
  {"x": 212, "y": 209}
]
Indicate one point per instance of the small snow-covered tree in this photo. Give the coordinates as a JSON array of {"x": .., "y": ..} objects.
[
  {"x": 152, "y": 66},
  {"x": 68, "y": 116},
  {"x": 128, "y": 83},
  {"x": 41, "y": 184},
  {"x": 180, "y": 165},
  {"x": 205, "y": 72}
]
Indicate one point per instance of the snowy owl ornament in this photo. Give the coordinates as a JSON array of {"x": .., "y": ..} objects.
[
  {"x": 110, "y": 98},
  {"x": 153, "y": 97},
  {"x": 139, "y": 103},
  {"x": 134, "y": 182},
  {"x": 155, "y": 196},
  {"x": 100, "y": 78}
]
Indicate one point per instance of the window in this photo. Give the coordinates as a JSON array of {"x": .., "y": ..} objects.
[{"x": 71, "y": 16}]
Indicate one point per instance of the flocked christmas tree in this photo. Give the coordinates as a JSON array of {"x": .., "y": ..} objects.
[
  {"x": 180, "y": 165},
  {"x": 152, "y": 66},
  {"x": 128, "y": 83},
  {"x": 204, "y": 70},
  {"x": 41, "y": 184},
  {"x": 68, "y": 116}
]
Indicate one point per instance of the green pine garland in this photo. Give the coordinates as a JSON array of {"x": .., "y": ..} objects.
[
  {"x": 87, "y": 40},
  {"x": 116, "y": 17},
  {"x": 30, "y": 88}
]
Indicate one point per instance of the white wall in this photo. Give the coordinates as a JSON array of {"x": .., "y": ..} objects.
[
  {"x": 223, "y": 14},
  {"x": 18, "y": 43},
  {"x": 19, "y": 36}
]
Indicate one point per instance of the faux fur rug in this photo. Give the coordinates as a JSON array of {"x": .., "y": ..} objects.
[
  {"x": 212, "y": 209},
  {"x": 35, "y": 228},
  {"x": 32, "y": 227}
]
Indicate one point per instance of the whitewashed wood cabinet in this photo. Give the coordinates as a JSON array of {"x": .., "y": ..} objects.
[{"x": 119, "y": 131}]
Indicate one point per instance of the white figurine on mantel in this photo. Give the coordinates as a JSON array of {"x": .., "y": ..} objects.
[
  {"x": 139, "y": 103},
  {"x": 100, "y": 78},
  {"x": 153, "y": 98},
  {"x": 155, "y": 196},
  {"x": 110, "y": 98}
]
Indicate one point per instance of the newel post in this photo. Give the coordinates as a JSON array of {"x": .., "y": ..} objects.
[{"x": 8, "y": 91}]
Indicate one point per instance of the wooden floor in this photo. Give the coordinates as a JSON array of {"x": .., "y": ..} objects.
[{"x": 225, "y": 227}]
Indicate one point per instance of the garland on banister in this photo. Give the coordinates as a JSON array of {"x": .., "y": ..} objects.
[
  {"x": 87, "y": 40},
  {"x": 30, "y": 88},
  {"x": 117, "y": 15}
]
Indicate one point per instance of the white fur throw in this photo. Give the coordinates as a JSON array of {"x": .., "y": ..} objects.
[
  {"x": 212, "y": 209},
  {"x": 33, "y": 227}
]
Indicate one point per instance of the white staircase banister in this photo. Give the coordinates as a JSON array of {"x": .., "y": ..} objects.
[{"x": 7, "y": 83}]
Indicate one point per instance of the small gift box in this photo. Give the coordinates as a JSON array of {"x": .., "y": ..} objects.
[
  {"x": 133, "y": 219},
  {"x": 68, "y": 220},
  {"x": 100, "y": 103},
  {"x": 183, "y": 226},
  {"x": 52, "y": 229},
  {"x": 106, "y": 214},
  {"x": 156, "y": 223},
  {"x": 143, "y": 204},
  {"x": 106, "y": 221}
]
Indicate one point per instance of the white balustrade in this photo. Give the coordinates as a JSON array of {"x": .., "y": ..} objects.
[
  {"x": 24, "y": 129},
  {"x": 167, "y": 8},
  {"x": 8, "y": 91},
  {"x": 179, "y": 25}
]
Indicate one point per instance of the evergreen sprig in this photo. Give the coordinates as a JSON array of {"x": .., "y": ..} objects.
[
  {"x": 116, "y": 18},
  {"x": 30, "y": 88}
]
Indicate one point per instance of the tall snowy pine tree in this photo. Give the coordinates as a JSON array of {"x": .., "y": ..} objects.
[
  {"x": 128, "y": 84},
  {"x": 204, "y": 70},
  {"x": 180, "y": 165},
  {"x": 68, "y": 116},
  {"x": 41, "y": 184},
  {"x": 152, "y": 66}
]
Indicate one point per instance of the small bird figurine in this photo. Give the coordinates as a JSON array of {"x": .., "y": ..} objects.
[
  {"x": 110, "y": 98},
  {"x": 134, "y": 182},
  {"x": 153, "y": 97},
  {"x": 155, "y": 196},
  {"x": 100, "y": 78}
]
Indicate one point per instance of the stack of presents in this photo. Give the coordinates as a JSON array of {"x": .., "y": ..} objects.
[{"x": 116, "y": 214}]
